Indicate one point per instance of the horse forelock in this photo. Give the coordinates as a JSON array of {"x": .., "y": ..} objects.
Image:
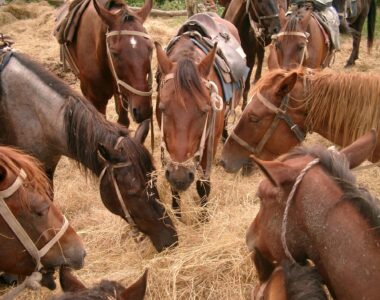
[{"x": 338, "y": 168}]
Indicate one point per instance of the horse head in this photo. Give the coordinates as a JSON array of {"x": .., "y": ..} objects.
[
  {"x": 26, "y": 198},
  {"x": 128, "y": 188},
  {"x": 184, "y": 111},
  {"x": 265, "y": 13},
  {"x": 129, "y": 51}
]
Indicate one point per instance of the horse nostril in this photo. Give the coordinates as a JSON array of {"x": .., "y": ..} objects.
[
  {"x": 167, "y": 173},
  {"x": 276, "y": 30},
  {"x": 191, "y": 175},
  {"x": 222, "y": 163}
]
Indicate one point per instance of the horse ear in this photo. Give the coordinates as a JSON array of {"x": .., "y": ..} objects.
[
  {"x": 142, "y": 131},
  {"x": 137, "y": 290},
  {"x": 69, "y": 283},
  {"x": 277, "y": 172},
  {"x": 108, "y": 153},
  {"x": 164, "y": 62},
  {"x": 206, "y": 65},
  {"x": 286, "y": 84},
  {"x": 109, "y": 11},
  {"x": 282, "y": 16},
  {"x": 306, "y": 19},
  {"x": 144, "y": 12},
  {"x": 361, "y": 149}
]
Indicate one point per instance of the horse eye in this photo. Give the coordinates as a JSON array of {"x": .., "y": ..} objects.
[
  {"x": 41, "y": 211},
  {"x": 254, "y": 119},
  {"x": 301, "y": 47}
]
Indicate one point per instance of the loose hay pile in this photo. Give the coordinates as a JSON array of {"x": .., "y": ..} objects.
[{"x": 211, "y": 261}]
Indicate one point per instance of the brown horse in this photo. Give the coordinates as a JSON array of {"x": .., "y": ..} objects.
[
  {"x": 365, "y": 8},
  {"x": 111, "y": 53},
  {"x": 45, "y": 117},
  {"x": 35, "y": 236},
  {"x": 287, "y": 105},
  {"x": 75, "y": 290},
  {"x": 311, "y": 208},
  {"x": 290, "y": 281},
  {"x": 301, "y": 41},
  {"x": 255, "y": 30},
  {"x": 190, "y": 111}
]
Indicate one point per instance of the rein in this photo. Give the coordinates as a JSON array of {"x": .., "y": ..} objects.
[
  {"x": 208, "y": 133},
  {"x": 31, "y": 281},
  {"x": 305, "y": 35},
  {"x": 280, "y": 115}
]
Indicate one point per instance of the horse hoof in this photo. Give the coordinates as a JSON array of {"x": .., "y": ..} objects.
[{"x": 349, "y": 65}]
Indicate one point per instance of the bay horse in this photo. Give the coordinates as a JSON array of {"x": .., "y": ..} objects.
[
  {"x": 311, "y": 208},
  {"x": 255, "y": 30},
  {"x": 111, "y": 53},
  {"x": 291, "y": 281},
  {"x": 35, "y": 236},
  {"x": 75, "y": 290},
  {"x": 61, "y": 122},
  {"x": 301, "y": 41},
  {"x": 354, "y": 24},
  {"x": 190, "y": 110},
  {"x": 286, "y": 106}
]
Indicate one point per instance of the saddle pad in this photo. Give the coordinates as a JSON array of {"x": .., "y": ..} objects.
[{"x": 329, "y": 20}]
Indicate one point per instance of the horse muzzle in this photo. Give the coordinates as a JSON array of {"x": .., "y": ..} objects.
[{"x": 179, "y": 177}]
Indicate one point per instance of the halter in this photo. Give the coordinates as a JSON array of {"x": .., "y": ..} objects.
[
  {"x": 280, "y": 115},
  {"x": 258, "y": 27},
  {"x": 120, "y": 83},
  {"x": 19, "y": 231},
  {"x": 305, "y": 35},
  {"x": 208, "y": 132}
]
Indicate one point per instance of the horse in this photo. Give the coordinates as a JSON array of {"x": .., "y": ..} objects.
[
  {"x": 111, "y": 54},
  {"x": 43, "y": 116},
  {"x": 35, "y": 236},
  {"x": 74, "y": 289},
  {"x": 286, "y": 105},
  {"x": 255, "y": 30},
  {"x": 190, "y": 110},
  {"x": 300, "y": 42},
  {"x": 353, "y": 24},
  {"x": 311, "y": 208},
  {"x": 291, "y": 281}
]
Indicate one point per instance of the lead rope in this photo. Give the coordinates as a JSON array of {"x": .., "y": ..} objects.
[{"x": 288, "y": 204}]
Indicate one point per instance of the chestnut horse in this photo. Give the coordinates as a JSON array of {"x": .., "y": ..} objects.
[
  {"x": 35, "y": 236},
  {"x": 61, "y": 122},
  {"x": 255, "y": 30},
  {"x": 286, "y": 105},
  {"x": 365, "y": 8},
  {"x": 190, "y": 110},
  {"x": 111, "y": 54},
  {"x": 300, "y": 42},
  {"x": 290, "y": 281},
  {"x": 75, "y": 290},
  {"x": 311, "y": 208}
]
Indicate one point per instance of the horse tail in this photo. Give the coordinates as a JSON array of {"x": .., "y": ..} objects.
[{"x": 371, "y": 24}]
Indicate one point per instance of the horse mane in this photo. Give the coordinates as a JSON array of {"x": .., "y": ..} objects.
[
  {"x": 302, "y": 282},
  {"x": 36, "y": 179},
  {"x": 338, "y": 167}
]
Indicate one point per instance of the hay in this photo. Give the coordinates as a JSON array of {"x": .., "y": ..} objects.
[{"x": 212, "y": 260}]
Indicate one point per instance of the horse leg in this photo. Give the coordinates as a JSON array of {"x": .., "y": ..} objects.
[
  {"x": 122, "y": 111},
  {"x": 225, "y": 131},
  {"x": 175, "y": 203},
  {"x": 260, "y": 58},
  {"x": 263, "y": 266},
  {"x": 356, "y": 29},
  {"x": 203, "y": 189}
]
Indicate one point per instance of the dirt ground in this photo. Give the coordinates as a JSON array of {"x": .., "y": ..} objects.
[{"x": 212, "y": 260}]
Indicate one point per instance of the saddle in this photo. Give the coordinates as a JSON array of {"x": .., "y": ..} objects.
[
  {"x": 205, "y": 32},
  {"x": 67, "y": 20}
]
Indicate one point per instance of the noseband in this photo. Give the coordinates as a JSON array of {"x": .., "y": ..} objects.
[
  {"x": 304, "y": 35},
  {"x": 208, "y": 132},
  {"x": 120, "y": 83},
  {"x": 280, "y": 115},
  {"x": 19, "y": 231}
]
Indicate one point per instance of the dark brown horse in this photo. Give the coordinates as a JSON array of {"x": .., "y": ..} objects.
[
  {"x": 190, "y": 111},
  {"x": 311, "y": 208},
  {"x": 255, "y": 30},
  {"x": 61, "y": 122},
  {"x": 353, "y": 24},
  {"x": 41, "y": 239},
  {"x": 111, "y": 54},
  {"x": 75, "y": 290},
  {"x": 290, "y": 281},
  {"x": 287, "y": 105},
  {"x": 301, "y": 41}
]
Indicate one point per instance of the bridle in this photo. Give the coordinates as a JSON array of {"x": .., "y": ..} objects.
[
  {"x": 19, "y": 231},
  {"x": 281, "y": 114},
  {"x": 208, "y": 133},
  {"x": 120, "y": 83}
]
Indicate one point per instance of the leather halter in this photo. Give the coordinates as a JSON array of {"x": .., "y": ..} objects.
[
  {"x": 280, "y": 115},
  {"x": 120, "y": 83},
  {"x": 208, "y": 132},
  {"x": 19, "y": 231},
  {"x": 257, "y": 26},
  {"x": 304, "y": 35}
]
